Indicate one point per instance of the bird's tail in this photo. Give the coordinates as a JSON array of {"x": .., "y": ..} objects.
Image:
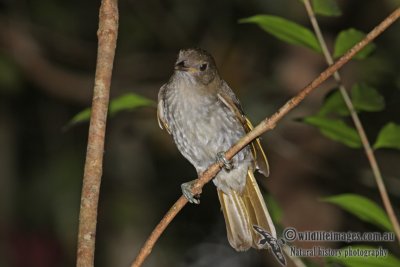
[{"x": 242, "y": 211}]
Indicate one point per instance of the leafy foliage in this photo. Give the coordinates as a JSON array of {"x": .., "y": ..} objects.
[
  {"x": 367, "y": 98},
  {"x": 334, "y": 105},
  {"x": 326, "y": 8},
  {"x": 125, "y": 102},
  {"x": 363, "y": 208},
  {"x": 347, "y": 39},
  {"x": 285, "y": 30},
  {"x": 389, "y": 137},
  {"x": 363, "y": 96},
  {"x": 335, "y": 129}
]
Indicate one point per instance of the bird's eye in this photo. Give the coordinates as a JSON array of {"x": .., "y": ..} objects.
[{"x": 203, "y": 66}]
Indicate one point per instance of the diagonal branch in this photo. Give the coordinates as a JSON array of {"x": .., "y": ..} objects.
[
  {"x": 265, "y": 125},
  {"x": 107, "y": 35},
  {"x": 357, "y": 123}
]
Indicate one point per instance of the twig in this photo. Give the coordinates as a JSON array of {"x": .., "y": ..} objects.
[
  {"x": 265, "y": 125},
  {"x": 107, "y": 35},
  {"x": 357, "y": 123}
]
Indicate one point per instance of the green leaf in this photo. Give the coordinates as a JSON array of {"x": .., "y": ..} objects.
[
  {"x": 285, "y": 30},
  {"x": 362, "y": 261},
  {"x": 366, "y": 98},
  {"x": 84, "y": 115},
  {"x": 334, "y": 104},
  {"x": 128, "y": 102},
  {"x": 347, "y": 39},
  {"x": 326, "y": 8},
  {"x": 125, "y": 102},
  {"x": 388, "y": 137},
  {"x": 335, "y": 129},
  {"x": 363, "y": 208}
]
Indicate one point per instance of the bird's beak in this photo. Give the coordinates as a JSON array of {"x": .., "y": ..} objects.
[{"x": 180, "y": 65}]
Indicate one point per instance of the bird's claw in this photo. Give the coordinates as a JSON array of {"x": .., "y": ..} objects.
[
  {"x": 187, "y": 192},
  {"x": 222, "y": 160}
]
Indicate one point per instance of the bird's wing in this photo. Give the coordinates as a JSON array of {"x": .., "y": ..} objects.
[
  {"x": 261, "y": 159},
  {"x": 228, "y": 97},
  {"x": 160, "y": 110}
]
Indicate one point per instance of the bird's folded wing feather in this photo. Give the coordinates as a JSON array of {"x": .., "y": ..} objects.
[
  {"x": 160, "y": 110},
  {"x": 261, "y": 158},
  {"x": 230, "y": 100}
]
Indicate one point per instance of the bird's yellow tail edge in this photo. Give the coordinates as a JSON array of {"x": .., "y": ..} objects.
[{"x": 242, "y": 211}]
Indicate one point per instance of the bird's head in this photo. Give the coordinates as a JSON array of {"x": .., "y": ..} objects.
[{"x": 196, "y": 64}]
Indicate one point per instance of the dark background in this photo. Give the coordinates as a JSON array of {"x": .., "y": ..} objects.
[{"x": 47, "y": 64}]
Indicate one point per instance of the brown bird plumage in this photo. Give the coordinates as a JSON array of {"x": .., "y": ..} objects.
[{"x": 205, "y": 118}]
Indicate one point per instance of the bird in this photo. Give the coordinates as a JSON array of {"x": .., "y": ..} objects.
[{"x": 205, "y": 118}]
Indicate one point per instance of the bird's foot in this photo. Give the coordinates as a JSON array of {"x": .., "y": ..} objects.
[
  {"x": 187, "y": 192},
  {"x": 222, "y": 160}
]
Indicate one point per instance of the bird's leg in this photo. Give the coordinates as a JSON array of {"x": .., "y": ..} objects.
[
  {"x": 188, "y": 186},
  {"x": 187, "y": 192},
  {"x": 222, "y": 160}
]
